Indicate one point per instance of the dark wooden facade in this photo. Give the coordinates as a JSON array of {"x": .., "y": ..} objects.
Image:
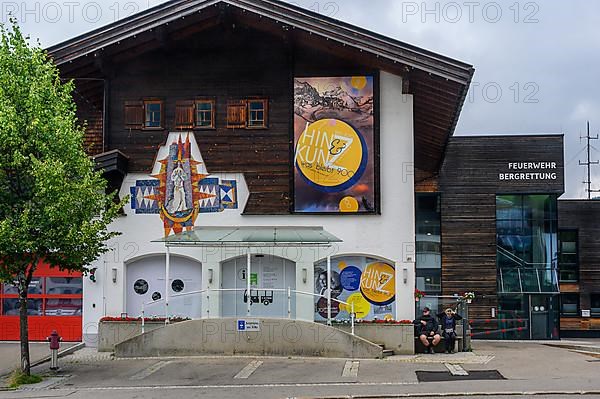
[
  {"x": 234, "y": 49},
  {"x": 469, "y": 182},
  {"x": 583, "y": 216}
]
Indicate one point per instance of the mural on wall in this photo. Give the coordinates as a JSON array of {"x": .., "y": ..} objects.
[
  {"x": 368, "y": 283},
  {"x": 334, "y": 141},
  {"x": 182, "y": 189}
]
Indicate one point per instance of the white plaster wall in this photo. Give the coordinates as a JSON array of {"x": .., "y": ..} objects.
[{"x": 390, "y": 235}]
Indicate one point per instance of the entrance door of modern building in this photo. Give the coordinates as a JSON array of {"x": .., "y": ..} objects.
[
  {"x": 539, "y": 315},
  {"x": 542, "y": 309}
]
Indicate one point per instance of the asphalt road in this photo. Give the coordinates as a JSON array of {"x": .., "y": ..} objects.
[{"x": 527, "y": 367}]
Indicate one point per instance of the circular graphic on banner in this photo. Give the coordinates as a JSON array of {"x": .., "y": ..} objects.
[
  {"x": 378, "y": 283},
  {"x": 322, "y": 308},
  {"x": 361, "y": 306},
  {"x": 350, "y": 278},
  {"x": 331, "y": 155},
  {"x": 349, "y": 204}
]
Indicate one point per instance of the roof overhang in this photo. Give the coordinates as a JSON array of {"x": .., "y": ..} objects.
[
  {"x": 245, "y": 237},
  {"x": 438, "y": 83}
]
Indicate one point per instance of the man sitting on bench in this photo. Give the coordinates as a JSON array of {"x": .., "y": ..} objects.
[{"x": 427, "y": 330}]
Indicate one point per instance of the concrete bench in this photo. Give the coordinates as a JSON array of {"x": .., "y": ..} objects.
[{"x": 441, "y": 347}]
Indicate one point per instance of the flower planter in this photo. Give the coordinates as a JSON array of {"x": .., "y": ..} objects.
[{"x": 115, "y": 331}]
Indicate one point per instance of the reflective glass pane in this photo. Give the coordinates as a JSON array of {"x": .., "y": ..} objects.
[
  {"x": 256, "y": 105},
  {"x": 64, "y": 285},
  {"x": 204, "y": 106},
  {"x": 595, "y": 304},
  {"x": 509, "y": 281},
  {"x": 509, "y": 207},
  {"x": 63, "y": 307},
  {"x": 513, "y": 317},
  {"x": 36, "y": 287},
  {"x": 10, "y": 307}
]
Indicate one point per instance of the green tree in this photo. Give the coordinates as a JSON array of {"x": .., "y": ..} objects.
[{"x": 53, "y": 206}]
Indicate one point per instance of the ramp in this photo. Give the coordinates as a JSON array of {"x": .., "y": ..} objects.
[{"x": 270, "y": 337}]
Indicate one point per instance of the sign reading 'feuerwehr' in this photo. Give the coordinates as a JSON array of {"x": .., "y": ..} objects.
[{"x": 530, "y": 171}]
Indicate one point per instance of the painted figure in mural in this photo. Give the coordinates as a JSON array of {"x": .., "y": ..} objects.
[{"x": 178, "y": 202}]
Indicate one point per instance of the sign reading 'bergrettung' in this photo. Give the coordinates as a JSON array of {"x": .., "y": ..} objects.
[{"x": 529, "y": 171}]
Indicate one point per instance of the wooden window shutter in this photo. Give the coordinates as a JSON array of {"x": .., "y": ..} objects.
[
  {"x": 184, "y": 115},
  {"x": 134, "y": 114},
  {"x": 236, "y": 114}
]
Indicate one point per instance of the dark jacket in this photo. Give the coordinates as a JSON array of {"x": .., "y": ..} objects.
[
  {"x": 448, "y": 322},
  {"x": 432, "y": 325}
]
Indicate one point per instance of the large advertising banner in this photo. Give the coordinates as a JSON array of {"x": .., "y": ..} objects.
[
  {"x": 334, "y": 140},
  {"x": 368, "y": 283}
]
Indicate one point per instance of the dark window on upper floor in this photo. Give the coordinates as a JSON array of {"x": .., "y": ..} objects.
[
  {"x": 568, "y": 258},
  {"x": 569, "y": 304},
  {"x": 145, "y": 114},
  {"x": 153, "y": 111},
  {"x": 205, "y": 114},
  {"x": 257, "y": 113},
  {"x": 428, "y": 243},
  {"x": 595, "y": 305}
]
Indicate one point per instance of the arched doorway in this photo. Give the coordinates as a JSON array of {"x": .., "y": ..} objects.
[
  {"x": 270, "y": 277},
  {"x": 146, "y": 284}
]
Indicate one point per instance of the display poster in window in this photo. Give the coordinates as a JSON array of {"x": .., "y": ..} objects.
[
  {"x": 334, "y": 141},
  {"x": 367, "y": 283}
]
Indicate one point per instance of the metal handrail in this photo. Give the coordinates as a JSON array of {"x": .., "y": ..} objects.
[{"x": 287, "y": 290}]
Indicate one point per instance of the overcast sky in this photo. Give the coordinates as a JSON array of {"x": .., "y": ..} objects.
[{"x": 536, "y": 62}]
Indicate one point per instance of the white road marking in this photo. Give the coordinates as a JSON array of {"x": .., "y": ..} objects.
[
  {"x": 351, "y": 368},
  {"x": 456, "y": 369},
  {"x": 147, "y": 372},
  {"x": 248, "y": 370}
]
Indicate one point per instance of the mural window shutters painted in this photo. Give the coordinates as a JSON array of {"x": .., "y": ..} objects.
[
  {"x": 367, "y": 283},
  {"x": 205, "y": 114},
  {"x": 257, "y": 113},
  {"x": 236, "y": 114},
  {"x": 335, "y": 145},
  {"x": 153, "y": 111}
]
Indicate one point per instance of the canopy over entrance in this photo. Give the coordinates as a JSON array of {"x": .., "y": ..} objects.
[
  {"x": 287, "y": 236},
  {"x": 250, "y": 237}
]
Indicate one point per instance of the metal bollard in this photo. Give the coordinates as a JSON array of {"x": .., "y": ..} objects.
[{"x": 54, "y": 340}]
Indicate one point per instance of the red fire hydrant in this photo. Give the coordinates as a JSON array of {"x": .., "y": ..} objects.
[{"x": 54, "y": 340}]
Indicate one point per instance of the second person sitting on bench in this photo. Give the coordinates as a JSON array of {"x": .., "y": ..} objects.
[
  {"x": 448, "y": 321},
  {"x": 427, "y": 327}
]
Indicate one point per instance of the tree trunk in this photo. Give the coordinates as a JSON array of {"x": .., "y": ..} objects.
[{"x": 24, "y": 327}]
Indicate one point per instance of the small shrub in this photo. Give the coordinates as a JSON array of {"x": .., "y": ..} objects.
[{"x": 18, "y": 378}]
